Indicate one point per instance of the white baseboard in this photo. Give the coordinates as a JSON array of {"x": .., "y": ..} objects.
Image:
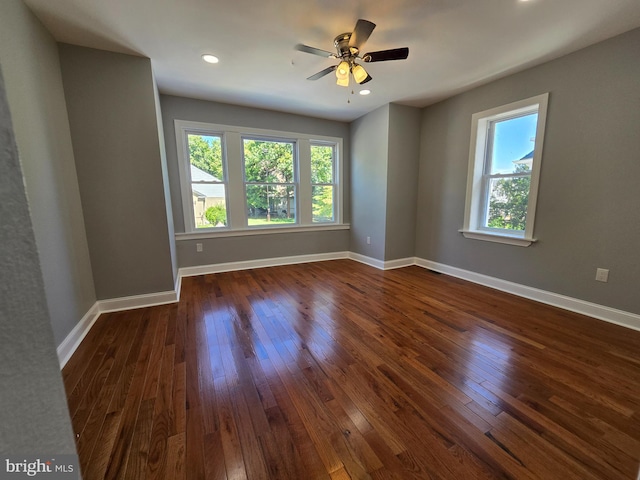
[
  {"x": 372, "y": 262},
  {"x": 260, "y": 263},
  {"x": 399, "y": 263},
  {"x": 601, "y": 312},
  {"x": 137, "y": 301},
  {"x": 382, "y": 264},
  {"x": 71, "y": 342}
]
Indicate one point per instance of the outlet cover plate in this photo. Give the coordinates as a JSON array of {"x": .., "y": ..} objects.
[{"x": 602, "y": 275}]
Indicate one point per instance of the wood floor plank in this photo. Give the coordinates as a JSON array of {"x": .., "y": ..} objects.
[
  {"x": 336, "y": 370},
  {"x": 157, "y": 464},
  {"x": 176, "y": 467}
]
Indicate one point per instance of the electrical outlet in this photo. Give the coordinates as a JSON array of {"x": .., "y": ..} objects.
[
  {"x": 602, "y": 275},
  {"x": 368, "y": 240},
  {"x": 198, "y": 247}
]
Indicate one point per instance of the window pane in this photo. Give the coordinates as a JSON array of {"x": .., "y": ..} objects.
[
  {"x": 271, "y": 204},
  {"x": 268, "y": 161},
  {"x": 209, "y": 205},
  {"x": 205, "y": 154},
  {"x": 322, "y": 203},
  {"x": 512, "y": 144},
  {"x": 322, "y": 163},
  {"x": 206, "y": 168},
  {"x": 508, "y": 200}
]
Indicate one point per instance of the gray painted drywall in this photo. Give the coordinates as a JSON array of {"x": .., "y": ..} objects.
[
  {"x": 369, "y": 158},
  {"x": 402, "y": 181},
  {"x": 254, "y": 247},
  {"x": 33, "y": 408},
  {"x": 165, "y": 181},
  {"x": 112, "y": 113},
  {"x": 587, "y": 213},
  {"x": 29, "y": 59},
  {"x": 232, "y": 249}
]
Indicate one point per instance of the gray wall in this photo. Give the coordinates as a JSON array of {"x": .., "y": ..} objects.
[
  {"x": 386, "y": 147},
  {"x": 33, "y": 408},
  {"x": 255, "y": 247},
  {"x": 587, "y": 213},
  {"x": 402, "y": 181},
  {"x": 231, "y": 249},
  {"x": 369, "y": 156},
  {"x": 29, "y": 59},
  {"x": 165, "y": 181},
  {"x": 112, "y": 113}
]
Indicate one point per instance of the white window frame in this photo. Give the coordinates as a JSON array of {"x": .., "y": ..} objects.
[
  {"x": 233, "y": 165},
  {"x": 476, "y": 180}
]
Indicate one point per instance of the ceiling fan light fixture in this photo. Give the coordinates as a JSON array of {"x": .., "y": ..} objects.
[
  {"x": 342, "y": 71},
  {"x": 360, "y": 75},
  {"x": 343, "y": 82}
]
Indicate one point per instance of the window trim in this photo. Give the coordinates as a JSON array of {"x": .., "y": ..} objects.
[
  {"x": 233, "y": 165},
  {"x": 476, "y": 191}
]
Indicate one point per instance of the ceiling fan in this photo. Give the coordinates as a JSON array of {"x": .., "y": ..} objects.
[{"x": 348, "y": 47}]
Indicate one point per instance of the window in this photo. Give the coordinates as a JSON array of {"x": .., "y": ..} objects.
[
  {"x": 322, "y": 184},
  {"x": 270, "y": 188},
  {"x": 256, "y": 181},
  {"x": 504, "y": 168},
  {"x": 206, "y": 176}
]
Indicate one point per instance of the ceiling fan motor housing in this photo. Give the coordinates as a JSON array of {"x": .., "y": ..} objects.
[{"x": 341, "y": 42}]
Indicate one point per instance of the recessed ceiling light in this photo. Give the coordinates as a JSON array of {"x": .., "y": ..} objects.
[
  {"x": 365, "y": 92},
  {"x": 210, "y": 58}
]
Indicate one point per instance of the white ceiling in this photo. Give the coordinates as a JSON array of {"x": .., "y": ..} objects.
[{"x": 453, "y": 44}]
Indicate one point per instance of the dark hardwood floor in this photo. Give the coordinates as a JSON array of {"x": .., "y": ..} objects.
[{"x": 338, "y": 370}]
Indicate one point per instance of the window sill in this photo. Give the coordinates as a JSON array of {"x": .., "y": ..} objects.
[
  {"x": 498, "y": 238},
  {"x": 245, "y": 232}
]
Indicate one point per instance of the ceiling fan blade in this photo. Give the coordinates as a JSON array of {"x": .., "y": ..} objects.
[
  {"x": 314, "y": 51},
  {"x": 361, "y": 33},
  {"x": 322, "y": 73},
  {"x": 384, "y": 55}
]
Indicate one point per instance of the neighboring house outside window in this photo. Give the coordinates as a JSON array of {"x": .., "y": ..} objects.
[
  {"x": 504, "y": 169},
  {"x": 208, "y": 192}
]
